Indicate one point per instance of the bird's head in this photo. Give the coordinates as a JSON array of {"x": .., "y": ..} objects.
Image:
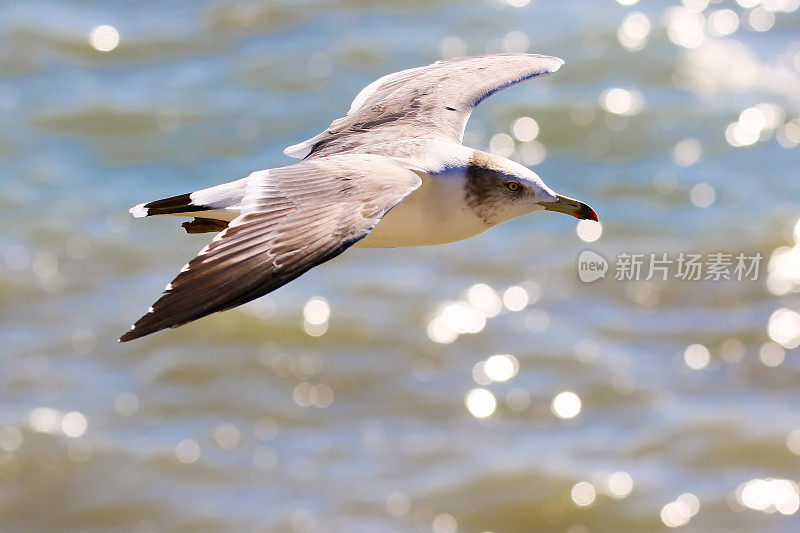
[{"x": 498, "y": 189}]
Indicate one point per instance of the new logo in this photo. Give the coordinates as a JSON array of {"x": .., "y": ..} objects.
[{"x": 591, "y": 266}]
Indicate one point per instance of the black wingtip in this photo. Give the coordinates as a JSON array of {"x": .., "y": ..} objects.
[
  {"x": 181, "y": 203},
  {"x": 141, "y": 328},
  {"x": 130, "y": 335},
  {"x": 138, "y": 332}
]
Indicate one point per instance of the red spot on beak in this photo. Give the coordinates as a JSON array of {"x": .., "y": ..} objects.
[{"x": 587, "y": 213}]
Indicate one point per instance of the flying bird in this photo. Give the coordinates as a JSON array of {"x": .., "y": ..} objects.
[{"x": 391, "y": 173}]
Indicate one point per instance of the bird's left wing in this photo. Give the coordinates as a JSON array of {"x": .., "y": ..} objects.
[
  {"x": 431, "y": 102},
  {"x": 293, "y": 218}
]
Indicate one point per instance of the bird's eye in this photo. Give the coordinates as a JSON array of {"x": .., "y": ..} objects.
[{"x": 513, "y": 186}]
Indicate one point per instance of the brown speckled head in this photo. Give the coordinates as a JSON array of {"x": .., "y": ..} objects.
[{"x": 485, "y": 189}]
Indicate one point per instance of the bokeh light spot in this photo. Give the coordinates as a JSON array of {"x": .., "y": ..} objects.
[
  {"x": 589, "y": 230},
  {"x": 770, "y": 495},
  {"x": 104, "y": 38},
  {"x": 696, "y": 356},
  {"x": 702, "y": 195},
  {"x": 784, "y": 328},
  {"x": 316, "y": 311},
  {"x": 687, "y": 152},
  {"x": 566, "y": 404},
  {"x": 501, "y": 368},
  {"x": 480, "y": 403},
  {"x": 515, "y": 298},
  {"x": 74, "y": 424},
  {"x": 620, "y": 485},
  {"x": 525, "y": 129},
  {"x": 187, "y": 451},
  {"x": 622, "y": 101},
  {"x": 583, "y": 494}
]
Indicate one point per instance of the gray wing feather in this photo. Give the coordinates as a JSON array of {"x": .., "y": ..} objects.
[
  {"x": 293, "y": 218},
  {"x": 432, "y": 102}
]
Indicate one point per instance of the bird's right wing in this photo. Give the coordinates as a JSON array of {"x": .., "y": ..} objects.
[
  {"x": 293, "y": 218},
  {"x": 431, "y": 102}
]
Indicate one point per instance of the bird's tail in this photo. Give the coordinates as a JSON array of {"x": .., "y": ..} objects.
[
  {"x": 174, "y": 205},
  {"x": 218, "y": 202}
]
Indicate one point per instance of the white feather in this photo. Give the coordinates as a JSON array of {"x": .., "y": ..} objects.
[
  {"x": 300, "y": 150},
  {"x": 138, "y": 211},
  {"x": 220, "y": 196}
]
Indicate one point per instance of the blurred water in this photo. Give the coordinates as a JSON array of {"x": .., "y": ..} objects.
[{"x": 252, "y": 420}]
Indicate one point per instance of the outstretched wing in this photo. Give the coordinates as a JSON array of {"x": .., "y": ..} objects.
[
  {"x": 293, "y": 218},
  {"x": 425, "y": 102}
]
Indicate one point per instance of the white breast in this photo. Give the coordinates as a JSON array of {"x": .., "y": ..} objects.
[{"x": 435, "y": 213}]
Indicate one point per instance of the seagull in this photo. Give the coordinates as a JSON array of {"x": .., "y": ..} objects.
[{"x": 391, "y": 173}]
